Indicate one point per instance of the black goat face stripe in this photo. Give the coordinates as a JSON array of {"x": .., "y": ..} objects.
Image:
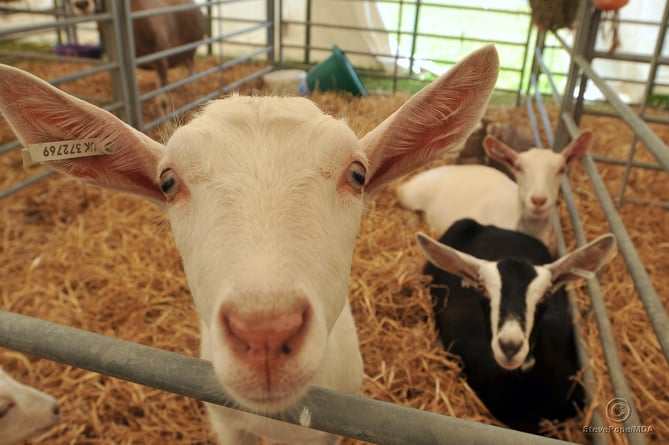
[{"x": 519, "y": 274}]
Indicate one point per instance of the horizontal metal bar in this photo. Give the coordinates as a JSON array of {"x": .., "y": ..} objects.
[
  {"x": 25, "y": 183},
  {"x": 646, "y": 118},
  {"x": 458, "y": 38},
  {"x": 51, "y": 26},
  {"x": 330, "y": 411},
  {"x": 609, "y": 160},
  {"x": 629, "y": 57},
  {"x": 179, "y": 49},
  {"x": 9, "y": 146},
  {"x": 459, "y": 7}
]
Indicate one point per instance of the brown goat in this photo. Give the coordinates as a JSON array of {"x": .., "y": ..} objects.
[
  {"x": 158, "y": 32},
  {"x": 474, "y": 153}
]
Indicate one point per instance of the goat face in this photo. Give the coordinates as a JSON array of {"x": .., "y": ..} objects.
[
  {"x": 269, "y": 259},
  {"x": 515, "y": 288},
  {"x": 538, "y": 172}
]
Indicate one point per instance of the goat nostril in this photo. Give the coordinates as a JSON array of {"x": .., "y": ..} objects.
[
  {"x": 264, "y": 335},
  {"x": 510, "y": 348},
  {"x": 55, "y": 410},
  {"x": 538, "y": 201}
]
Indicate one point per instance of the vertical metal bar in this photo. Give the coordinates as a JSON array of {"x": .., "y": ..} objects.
[
  {"x": 210, "y": 28},
  {"x": 269, "y": 18},
  {"x": 400, "y": 12},
  {"x": 539, "y": 46},
  {"x": 587, "y": 52},
  {"x": 414, "y": 36},
  {"x": 580, "y": 43},
  {"x": 128, "y": 64},
  {"x": 279, "y": 24},
  {"x": 521, "y": 81},
  {"x": 307, "y": 34},
  {"x": 112, "y": 40}
]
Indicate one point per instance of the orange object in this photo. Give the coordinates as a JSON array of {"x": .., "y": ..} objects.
[{"x": 609, "y": 5}]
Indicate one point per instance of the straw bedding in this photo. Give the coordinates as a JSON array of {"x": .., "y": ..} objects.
[{"x": 106, "y": 262}]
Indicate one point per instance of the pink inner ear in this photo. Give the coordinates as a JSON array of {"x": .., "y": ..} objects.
[
  {"x": 38, "y": 112},
  {"x": 496, "y": 149},
  {"x": 578, "y": 146}
]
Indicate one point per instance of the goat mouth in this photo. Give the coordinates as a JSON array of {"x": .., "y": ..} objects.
[
  {"x": 271, "y": 403},
  {"x": 510, "y": 365}
]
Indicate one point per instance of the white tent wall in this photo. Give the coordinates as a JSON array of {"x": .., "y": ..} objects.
[{"x": 337, "y": 17}]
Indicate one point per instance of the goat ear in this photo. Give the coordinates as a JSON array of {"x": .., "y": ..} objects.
[
  {"x": 39, "y": 112},
  {"x": 583, "y": 262},
  {"x": 578, "y": 146},
  {"x": 501, "y": 152},
  {"x": 450, "y": 260},
  {"x": 437, "y": 118}
]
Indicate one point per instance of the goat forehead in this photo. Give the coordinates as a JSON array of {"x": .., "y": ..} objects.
[
  {"x": 540, "y": 159},
  {"x": 264, "y": 136},
  {"x": 516, "y": 275}
]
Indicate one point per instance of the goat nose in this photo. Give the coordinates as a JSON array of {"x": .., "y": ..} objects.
[
  {"x": 538, "y": 200},
  {"x": 510, "y": 348},
  {"x": 267, "y": 336}
]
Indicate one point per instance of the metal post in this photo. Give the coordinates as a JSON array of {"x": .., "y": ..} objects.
[
  {"x": 111, "y": 39},
  {"x": 567, "y": 105},
  {"x": 414, "y": 33},
  {"x": 126, "y": 42},
  {"x": 271, "y": 41},
  {"x": 307, "y": 33}
]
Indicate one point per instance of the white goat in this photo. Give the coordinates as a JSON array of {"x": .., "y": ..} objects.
[
  {"x": 452, "y": 192},
  {"x": 24, "y": 411},
  {"x": 265, "y": 197}
]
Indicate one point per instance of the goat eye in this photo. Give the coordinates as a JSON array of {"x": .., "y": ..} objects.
[
  {"x": 356, "y": 176},
  {"x": 169, "y": 184},
  {"x": 562, "y": 170}
]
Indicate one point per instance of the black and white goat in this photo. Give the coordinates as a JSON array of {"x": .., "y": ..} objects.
[{"x": 500, "y": 306}]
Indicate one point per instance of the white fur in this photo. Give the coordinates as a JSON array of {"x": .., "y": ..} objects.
[
  {"x": 24, "y": 411},
  {"x": 264, "y": 204},
  {"x": 452, "y": 192}
]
